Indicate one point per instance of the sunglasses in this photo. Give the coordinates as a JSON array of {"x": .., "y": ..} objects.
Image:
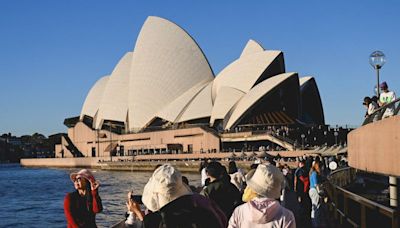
[{"x": 78, "y": 179}]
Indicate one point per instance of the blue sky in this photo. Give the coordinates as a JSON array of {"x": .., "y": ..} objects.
[{"x": 52, "y": 52}]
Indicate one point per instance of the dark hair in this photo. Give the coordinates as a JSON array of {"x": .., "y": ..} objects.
[
  {"x": 367, "y": 101},
  {"x": 203, "y": 165},
  {"x": 253, "y": 166},
  {"x": 271, "y": 161},
  {"x": 88, "y": 195},
  {"x": 232, "y": 168},
  {"x": 185, "y": 180},
  {"x": 214, "y": 169}
]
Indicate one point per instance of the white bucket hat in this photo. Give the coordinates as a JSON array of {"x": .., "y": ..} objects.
[
  {"x": 164, "y": 186},
  {"x": 266, "y": 181}
]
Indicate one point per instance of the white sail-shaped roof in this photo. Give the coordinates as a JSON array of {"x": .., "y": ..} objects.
[
  {"x": 172, "y": 110},
  {"x": 94, "y": 97},
  {"x": 254, "y": 95},
  {"x": 167, "y": 63},
  {"x": 304, "y": 80},
  {"x": 251, "y": 48},
  {"x": 243, "y": 73},
  {"x": 200, "y": 107},
  {"x": 168, "y": 78},
  {"x": 226, "y": 99},
  {"x": 114, "y": 104},
  {"x": 312, "y": 110}
]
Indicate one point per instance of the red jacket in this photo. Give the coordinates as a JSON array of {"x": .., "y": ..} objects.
[{"x": 79, "y": 212}]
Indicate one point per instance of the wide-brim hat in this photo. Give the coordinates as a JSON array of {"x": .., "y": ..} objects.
[
  {"x": 267, "y": 181},
  {"x": 164, "y": 186},
  {"x": 85, "y": 173}
]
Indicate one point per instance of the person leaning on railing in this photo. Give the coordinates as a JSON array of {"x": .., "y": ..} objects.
[
  {"x": 370, "y": 105},
  {"x": 379, "y": 113},
  {"x": 385, "y": 98}
]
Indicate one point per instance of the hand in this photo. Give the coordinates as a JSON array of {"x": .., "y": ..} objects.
[
  {"x": 134, "y": 207},
  {"x": 94, "y": 185},
  {"x": 299, "y": 199}
]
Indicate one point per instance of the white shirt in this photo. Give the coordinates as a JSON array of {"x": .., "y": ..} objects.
[
  {"x": 385, "y": 98},
  {"x": 372, "y": 107},
  {"x": 203, "y": 177}
]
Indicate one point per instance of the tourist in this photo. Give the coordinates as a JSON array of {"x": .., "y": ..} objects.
[
  {"x": 301, "y": 181},
  {"x": 262, "y": 208},
  {"x": 202, "y": 170},
  {"x": 314, "y": 193},
  {"x": 301, "y": 187},
  {"x": 376, "y": 100},
  {"x": 237, "y": 177},
  {"x": 370, "y": 105},
  {"x": 220, "y": 189},
  {"x": 82, "y": 205},
  {"x": 385, "y": 98},
  {"x": 173, "y": 204}
]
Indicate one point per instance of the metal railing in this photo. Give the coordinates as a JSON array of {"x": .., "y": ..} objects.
[
  {"x": 379, "y": 113},
  {"x": 352, "y": 210}
]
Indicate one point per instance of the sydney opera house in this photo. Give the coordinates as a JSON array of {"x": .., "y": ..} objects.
[{"x": 163, "y": 98}]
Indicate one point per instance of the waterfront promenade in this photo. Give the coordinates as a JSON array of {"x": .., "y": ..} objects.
[{"x": 186, "y": 162}]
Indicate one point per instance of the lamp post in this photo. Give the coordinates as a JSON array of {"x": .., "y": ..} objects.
[
  {"x": 111, "y": 146},
  {"x": 98, "y": 142},
  {"x": 377, "y": 60},
  {"x": 336, "y": 135}
]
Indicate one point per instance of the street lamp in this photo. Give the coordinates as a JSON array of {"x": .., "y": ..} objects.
[
  {"x": 111, "y": 143},
  {"x": 302, "y": 140},
  {"x": 377, "y": 60},
  {"x": 336, "y": 135}
]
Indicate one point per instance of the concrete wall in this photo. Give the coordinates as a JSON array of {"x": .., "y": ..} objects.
[
  {"x": 375, "y": 147},
  {"x": 60, "y": 162}
]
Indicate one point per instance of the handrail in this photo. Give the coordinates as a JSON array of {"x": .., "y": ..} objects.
[
  {"x": 378, "y": 113},
  {"x": 344, "y": 205}
]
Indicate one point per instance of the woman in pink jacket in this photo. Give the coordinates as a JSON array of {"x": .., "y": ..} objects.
[{"x": 262, "y": 208}]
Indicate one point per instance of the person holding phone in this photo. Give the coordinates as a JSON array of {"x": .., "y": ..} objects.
[
  {"x": 82, "y": 205},
  {"x": 135, "y": 213},
  {"x": 171, "y": 203}
]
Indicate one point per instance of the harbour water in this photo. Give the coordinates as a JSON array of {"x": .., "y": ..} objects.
[{"x": 34, "y": 197}]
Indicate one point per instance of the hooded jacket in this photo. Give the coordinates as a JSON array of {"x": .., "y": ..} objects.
[
  {"x": 224, "y": 194},
  {"x": 262, "y": 212},
  {"x": 187, "y": 211}
]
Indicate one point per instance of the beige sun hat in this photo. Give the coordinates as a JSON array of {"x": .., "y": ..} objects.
[
  {"x": 267, "y": 181},
  {"x": 164, "y": 186},
  {"x": 85, "y": 173}
]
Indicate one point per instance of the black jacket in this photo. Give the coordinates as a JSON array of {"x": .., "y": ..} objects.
[
  {"x": 224, "y": 194},
  {"x": 187, "y": 211}
]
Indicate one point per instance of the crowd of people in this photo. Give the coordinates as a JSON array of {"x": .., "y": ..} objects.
[
  {"x": 374, "y": 103},
  {"x": 267, "y": 195}
]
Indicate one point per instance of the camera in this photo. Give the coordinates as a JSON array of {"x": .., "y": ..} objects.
[{"x": 137, "y": 198}]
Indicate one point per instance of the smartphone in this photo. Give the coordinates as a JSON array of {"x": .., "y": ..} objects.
[{"x": 137, "y": 198}]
